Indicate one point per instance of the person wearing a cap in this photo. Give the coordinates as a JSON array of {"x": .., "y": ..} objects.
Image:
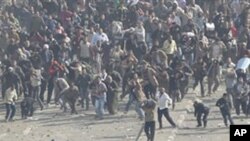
[
  {"x": 164, "y": 102},
  {"x": 201, "y": 111},
  {"x": 225, "y": 109}
]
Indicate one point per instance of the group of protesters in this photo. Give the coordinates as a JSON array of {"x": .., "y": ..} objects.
[{"x": 97, "y": 51}]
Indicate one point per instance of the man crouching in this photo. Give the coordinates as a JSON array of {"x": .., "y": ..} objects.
[
  {"x": 27, "y": 108},
  {"x": 70, "y": 96}
]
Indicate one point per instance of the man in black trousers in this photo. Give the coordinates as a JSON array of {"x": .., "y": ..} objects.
[
  {"x": 149, "y": 107},
  {"x": 27, "y": 108},
  {"x": 201, "y": 110},
  {"x": 164, "y": 102},
  {"x": 225, "y": 109}
]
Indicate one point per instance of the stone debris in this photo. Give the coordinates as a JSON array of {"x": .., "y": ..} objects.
[
  {"x": 27, "y": 131},
  {"x": 8, "y": 130},
  {"x": 129, "y": 129},
  {"x": 220, "y": 124},
  {"x": 171, "y": 138},
  {"x": 2, "y": 135}
]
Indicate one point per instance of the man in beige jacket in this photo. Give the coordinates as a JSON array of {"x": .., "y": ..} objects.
[
  {"x": 170, "y": 48},
  {"x": 9, "y": 99}
]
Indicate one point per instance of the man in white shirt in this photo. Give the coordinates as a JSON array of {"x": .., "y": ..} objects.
[
  {"x": 99, "y": 36},
  {"x": 164, "y": 101},
  {"x": 242, "y": 67},
  {"x": 85, "y": 50},
  {"x": 140, "y": 32}
]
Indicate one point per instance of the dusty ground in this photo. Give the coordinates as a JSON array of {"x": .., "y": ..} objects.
[{"x": 52, "y": 123}]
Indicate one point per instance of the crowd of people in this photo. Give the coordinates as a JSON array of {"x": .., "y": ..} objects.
[{"x": 150, "y": 50}]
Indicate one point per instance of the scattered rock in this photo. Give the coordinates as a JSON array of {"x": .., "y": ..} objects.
[
  {"x": 220, "y": 124},
  {"x": 129, "y": 129},
  {"x": 171, "y": 138},
  {"x": 8, "y": 130},
  {"x": 27, "y": 131},
  {"x": 174, "y": 132}
]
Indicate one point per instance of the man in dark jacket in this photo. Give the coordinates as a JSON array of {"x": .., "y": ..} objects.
[
  {"x": 10, "y": 78},
  {"x": 70, "y": 96},
  {"x": 248, "y": 106},
  {"x": 241, "y": 89},
  {"x": 111, "y": 94},
  {"x": 225, "y": 107},
  {"x": 199, "y": 74},
  {"x": 27, "y": 108},
  {"x": 200, "y": 109},
  {"x": 83, "y": 82},
  {"x": 159, "y": 35}
]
